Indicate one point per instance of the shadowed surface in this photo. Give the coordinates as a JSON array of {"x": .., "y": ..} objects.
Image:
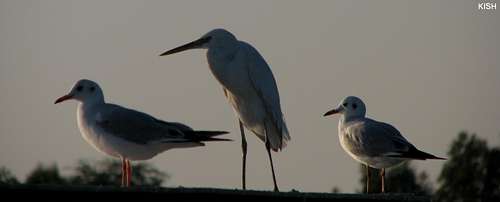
[{"x": 206, "y": 194}]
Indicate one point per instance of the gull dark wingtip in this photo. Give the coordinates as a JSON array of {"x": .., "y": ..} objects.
[{"x": 220, "y": 139}]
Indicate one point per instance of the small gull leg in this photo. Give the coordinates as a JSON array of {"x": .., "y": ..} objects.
[
  {"x": 124, "y": 170},
  {"x": 367, "y": 178},
  {"x": 129, "y": 172},
  {"x": 382, "y": 176}
]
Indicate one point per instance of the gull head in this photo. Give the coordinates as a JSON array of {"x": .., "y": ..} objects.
[
  {"x": 84, "y": 91},
  {"x": 349, "y": 107},
  {"x": 212, "y": 39}
]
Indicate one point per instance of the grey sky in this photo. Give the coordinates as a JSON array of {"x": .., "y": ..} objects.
[{"x": 431, "y": 68}]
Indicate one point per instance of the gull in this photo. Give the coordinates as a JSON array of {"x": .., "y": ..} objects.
[
  {"x": 249, "y": 86},
  {"x": 128, "y": 134},
  {"x": 373, "y": 143}
]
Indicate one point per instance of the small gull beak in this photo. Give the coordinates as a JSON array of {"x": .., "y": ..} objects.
[
  {"x": 63, "y": 98},
  {"x": 195, "y": 44},
  {"x": 331, "y": 112}
]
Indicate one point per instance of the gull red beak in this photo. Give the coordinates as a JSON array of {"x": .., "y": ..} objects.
[
  {"x": 63, "y": 98},
  {"x": 331, "y": 112}
]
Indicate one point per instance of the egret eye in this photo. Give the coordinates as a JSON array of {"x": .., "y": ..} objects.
[
  {"x": 354, "y": 105},
  {"x": 79, "y": 88},
  {"x": 92, "y": 89},
  {"x": 345, "y": 104}
]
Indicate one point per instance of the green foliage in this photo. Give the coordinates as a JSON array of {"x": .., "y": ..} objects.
[
  {"x": 335, "y": 190},
  {"x": 400, "y": 179},
  {"x": 472, "y": 172},
  {"x": 108, "y": 172},
  {"x": 45, "y": 175},
  {"x": 104, "y": 172},
  {"x": 6, "y": 177}
]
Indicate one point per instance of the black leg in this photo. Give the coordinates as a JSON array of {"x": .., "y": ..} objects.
[
  {"x": 268, "y": 148},
  {"x": 244, "y": 158}
]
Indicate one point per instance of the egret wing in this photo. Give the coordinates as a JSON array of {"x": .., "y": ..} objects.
[{"x": 265, "y": 85}]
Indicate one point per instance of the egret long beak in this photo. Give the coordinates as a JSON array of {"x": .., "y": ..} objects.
[
  {"x": 195, "y": 44},
  {"x": 333, "y": 111},
  {"x": 63, "y": 98}
]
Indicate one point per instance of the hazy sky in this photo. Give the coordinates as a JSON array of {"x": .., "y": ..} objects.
[{"x": 431, "y": 68}]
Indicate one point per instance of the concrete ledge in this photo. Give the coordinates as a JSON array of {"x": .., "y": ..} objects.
[{"x": 206, "y": 194}]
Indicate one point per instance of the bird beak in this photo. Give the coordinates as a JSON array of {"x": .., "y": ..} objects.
[
  {"x": 333, "y": 111},
  {"x": 63, "y": 98},
  {"x": 195, "y": 44}
]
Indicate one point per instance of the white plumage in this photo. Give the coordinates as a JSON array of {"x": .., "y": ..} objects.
[
  {"x": 128, "y": 134},
  {"x": 372, "y": 143},
  {"x": 249, "y": 86}
]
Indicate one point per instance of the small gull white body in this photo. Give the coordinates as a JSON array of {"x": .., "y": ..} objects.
[
  {"x": 128, "y": 134},
  {"x": 372, "y": 143}
]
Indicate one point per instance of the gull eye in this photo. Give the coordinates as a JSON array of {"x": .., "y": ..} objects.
[
  {"x": 92, "y": 89},
  {"x": 345, "y": 104},
  {"x": 79, "y": 88},
  {"x": 354, "y": 105}
]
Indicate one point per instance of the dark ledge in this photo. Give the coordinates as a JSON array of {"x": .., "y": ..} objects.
[{"x": 206, "y": 194}]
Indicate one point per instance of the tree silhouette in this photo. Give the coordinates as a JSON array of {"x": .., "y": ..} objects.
[
  {"x": 108, "y": 172},
  {"x": 103, "y": 172},
  {"x": 472, "y": 172},
  {"x": 45, "y": 175},
  {"x": 400, "y": 179},
  {"x": 335, "y": 189},
  {"x": 6, "y": 177}
]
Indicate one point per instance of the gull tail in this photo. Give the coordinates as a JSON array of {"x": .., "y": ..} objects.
[
  {"x": 414, "y": 153},
  {"x": 204, "y": 135}
]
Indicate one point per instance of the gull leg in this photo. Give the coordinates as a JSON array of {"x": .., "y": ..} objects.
[
  {"x": 382, "y": 176},
  {"x": 268, "y": 148},
  {"x": 129, "y": 172},
  {"x": 367, "y": 178},
  {"x": 124, "y": 170},
  {"x": 244, "y": 157}
]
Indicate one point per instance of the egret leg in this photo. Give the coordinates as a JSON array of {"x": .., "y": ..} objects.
[
  {"x": 129, "y": 172},
  {"x": 382, "y": 176},
  {"x": 244, "y": 157},
  {"x": 268, "y": 148},
  {"x": 367, "y": 178},
  {"x": 124, "y": 171}
]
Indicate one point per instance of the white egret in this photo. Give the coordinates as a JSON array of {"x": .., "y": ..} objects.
[{"x": 249, "y": 86}]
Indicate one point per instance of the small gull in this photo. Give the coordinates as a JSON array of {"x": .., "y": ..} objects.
[
  {"x": 373, "y": 143},
  {"x": 128, "y": 134}
]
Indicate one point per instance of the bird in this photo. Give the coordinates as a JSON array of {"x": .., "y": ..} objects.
[
  {"x": 128, "y": 134},
  {"x": 249, "y": 86},
  {"x": 372, "y": 143}
]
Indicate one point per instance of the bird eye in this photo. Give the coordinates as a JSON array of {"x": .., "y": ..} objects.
[
  {"x": 354, "y": 105},
  {"x": 345, "y": 104},
  {"x": 92, "y": 89},
  {"x": 79, "y": 88}
]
